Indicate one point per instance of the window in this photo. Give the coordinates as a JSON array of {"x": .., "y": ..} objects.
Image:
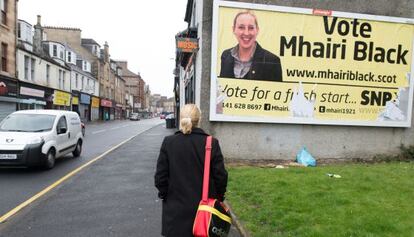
[
  {"x": 47, "y": 74},
  {"x": 63, "y": 79},
  {"x": 32, "y": 69},
  {"x": 26, "y": 67},
  {"x": 60, "y": 79},
  {"x": 76, "y": 81},
  {"x": 69, "y": 57},
  {"x": 19, "y": 30},
  {"x": 82, "y": 81},
  {"x": 62, "y": 124},
  {"x": 3, "y": 7},
  {"x": 54, "y": 50},
  {"x": 3, "y": 56}
]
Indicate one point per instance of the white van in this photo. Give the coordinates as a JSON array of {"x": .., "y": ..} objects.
[{"x": 37, "y": 137}]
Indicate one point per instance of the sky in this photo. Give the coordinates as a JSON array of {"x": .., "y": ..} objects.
[{"x": 139, "y": 31}]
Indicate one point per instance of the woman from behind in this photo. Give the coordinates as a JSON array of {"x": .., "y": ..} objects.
[{"x": 179, "y": 174}]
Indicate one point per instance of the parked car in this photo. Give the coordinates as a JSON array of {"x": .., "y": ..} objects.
[
  {"x": 162, "y": 116},
  {"x": 38, "y": 137},
  {"x": 134, "y": 117}
]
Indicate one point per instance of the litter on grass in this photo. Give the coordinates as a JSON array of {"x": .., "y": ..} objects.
[
  {"x": 305, "y": 158},
  {"x": 334, "y": 176}
]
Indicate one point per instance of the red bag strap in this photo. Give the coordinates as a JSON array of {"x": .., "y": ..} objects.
[{"x": 206, "y": 178}]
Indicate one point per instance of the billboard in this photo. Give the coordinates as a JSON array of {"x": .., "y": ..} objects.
[{"x": 308, "y": 66}]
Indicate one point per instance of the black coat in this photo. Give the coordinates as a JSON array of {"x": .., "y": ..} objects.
[
  {"x": 179, "y": 179},
  {"x": 265, "y": 66}
]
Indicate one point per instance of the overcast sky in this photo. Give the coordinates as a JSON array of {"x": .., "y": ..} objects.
[{"x": 138, "y": 31}]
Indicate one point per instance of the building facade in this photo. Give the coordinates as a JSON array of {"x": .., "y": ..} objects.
[
  {"x": 96, "y": 68},
  {"x": 8, "y": 39},
  {"x": 135, "y": 86}
]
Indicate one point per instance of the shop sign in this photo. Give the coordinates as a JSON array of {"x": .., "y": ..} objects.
[
  {"x": 106, "y": 103},
  {"x": 95, "y": 102},
  {"x": 61, "y": 98},
  {"x": 32, "y": 92},
  {"x": 186, "y": 45},
  {"x": 85, "y": 99},
  {"x": 75, "y": 100},
  {"x": 8, "y": 88}
]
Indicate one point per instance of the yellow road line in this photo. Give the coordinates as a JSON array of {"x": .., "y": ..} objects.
[{"x": 55, "y": 184}]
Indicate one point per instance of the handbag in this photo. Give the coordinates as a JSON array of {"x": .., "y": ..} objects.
[{"x": 213, "y": 217}]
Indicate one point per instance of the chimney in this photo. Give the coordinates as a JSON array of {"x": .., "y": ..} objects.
[
  {"x": 106, "y": 52},
  {"x": 38, "y": 36}
]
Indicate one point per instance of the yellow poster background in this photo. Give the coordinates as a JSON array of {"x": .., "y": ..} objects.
[
  {"x": 343, "y": 90},
  {"x": 274, "y": 99},
  {"x": 274, "y": 25}
]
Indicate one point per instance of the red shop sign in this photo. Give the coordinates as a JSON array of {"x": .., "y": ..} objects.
[{"x": 106, "y": 103}]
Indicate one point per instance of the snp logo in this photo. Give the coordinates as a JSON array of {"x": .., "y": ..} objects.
[{"x": 218, "y": 231}]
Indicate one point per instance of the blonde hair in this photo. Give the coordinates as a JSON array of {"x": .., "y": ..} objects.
[
  {"x": 245, "y": 12},
  {"x": 189, "y": 117}
]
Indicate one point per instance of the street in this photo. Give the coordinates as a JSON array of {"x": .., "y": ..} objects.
[
  {"x": 19, "y": 184},
  {"x": 114, "y": 196}
]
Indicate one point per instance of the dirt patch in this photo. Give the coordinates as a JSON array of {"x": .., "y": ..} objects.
[{"x": 319, "y": 162}]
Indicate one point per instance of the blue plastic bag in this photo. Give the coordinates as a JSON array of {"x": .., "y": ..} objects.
[{"x": 305, "y": 158}]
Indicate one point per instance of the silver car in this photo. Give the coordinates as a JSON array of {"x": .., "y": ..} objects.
[{"x": 134, "y": 117}]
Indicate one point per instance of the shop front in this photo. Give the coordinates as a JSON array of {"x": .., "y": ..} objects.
[
  {"x": 33, "y": 96},
  {"x": 118, "y": 111},
  {"x": 106, "y": 107},
  {"x": 75, "y": 101},
  {"x": 128, "y": 111},
  {"x": 61, "y": 100},
  {"x": 84, "y": 106},
  {"x": 8, "y": 96},
  {"x": 94, "y": 108}
]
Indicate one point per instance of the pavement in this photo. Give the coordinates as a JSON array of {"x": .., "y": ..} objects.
[{"x": 114, "y": 196}]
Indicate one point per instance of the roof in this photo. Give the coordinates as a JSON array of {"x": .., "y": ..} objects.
[
  {"x": 89, "y": 41},
  {"x": 62, "y": 28},
  {"x": 44, "y": 111}
]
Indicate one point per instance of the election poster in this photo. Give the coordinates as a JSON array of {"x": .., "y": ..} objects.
[{"x": 277, "y": 64}]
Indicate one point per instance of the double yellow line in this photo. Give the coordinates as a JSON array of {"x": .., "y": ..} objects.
[{"x": 6, "y": 216}]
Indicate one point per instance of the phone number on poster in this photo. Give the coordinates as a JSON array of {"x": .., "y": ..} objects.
[{"x": 242, "y": 106}]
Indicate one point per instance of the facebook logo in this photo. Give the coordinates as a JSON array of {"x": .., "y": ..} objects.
[{"x": 322, "y": 109}]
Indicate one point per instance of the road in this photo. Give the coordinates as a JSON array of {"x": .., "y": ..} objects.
[
  {"x": 17, "y": 184},
  {"x": 113, "y": 196}
]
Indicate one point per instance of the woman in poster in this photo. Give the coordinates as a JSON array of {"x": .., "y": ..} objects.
[{"x": 248, "y": 60}]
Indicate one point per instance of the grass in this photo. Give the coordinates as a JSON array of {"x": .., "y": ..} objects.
[{"x": 368, "y": 200}]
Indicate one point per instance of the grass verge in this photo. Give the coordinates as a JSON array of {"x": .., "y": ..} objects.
[{"x": 368, "y": 200}]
